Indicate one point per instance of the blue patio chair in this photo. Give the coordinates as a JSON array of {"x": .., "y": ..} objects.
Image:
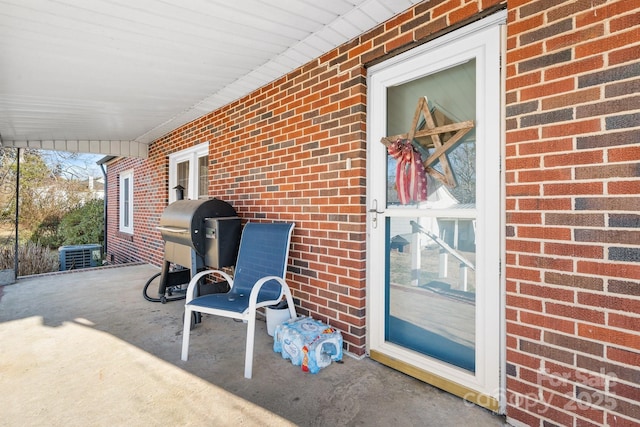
[{"x": 258, "y": 282}]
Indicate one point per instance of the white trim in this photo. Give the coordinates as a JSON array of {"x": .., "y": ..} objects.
[
  {"x": 480, "y": 40},
  {"x": 191, "y": 155},
  {"x": 503, "y": 219},
  {"x": 125, "y": 214}
]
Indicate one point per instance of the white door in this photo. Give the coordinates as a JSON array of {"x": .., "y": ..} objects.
[{"x": 434, "y": 285}]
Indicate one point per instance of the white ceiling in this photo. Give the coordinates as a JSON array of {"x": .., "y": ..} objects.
[{"x": 111, "y": 76}]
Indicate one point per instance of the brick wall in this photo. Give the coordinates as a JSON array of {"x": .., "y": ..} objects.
[
  {"x": 572, "y": 259},
  {"x": 149, "y": 200},
  {"x": 281, "y": 154},
  {"x": 573, "y": 185}
]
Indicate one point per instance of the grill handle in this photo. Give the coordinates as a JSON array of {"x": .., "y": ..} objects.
[{"x": 172, "y": 229}]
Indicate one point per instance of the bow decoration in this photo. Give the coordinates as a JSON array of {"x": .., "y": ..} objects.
[{"x": 411, "y": 179}]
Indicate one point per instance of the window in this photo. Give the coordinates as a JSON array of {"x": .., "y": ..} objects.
[
  {"x": 126, "y": 202},
  {"x": 189, "y": 169}
]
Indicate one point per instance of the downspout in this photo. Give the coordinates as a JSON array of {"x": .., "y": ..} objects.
[{"x": 104, "y": 210}]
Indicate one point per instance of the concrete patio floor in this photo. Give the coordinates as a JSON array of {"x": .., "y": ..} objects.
[{"x": 85, "y": 349}]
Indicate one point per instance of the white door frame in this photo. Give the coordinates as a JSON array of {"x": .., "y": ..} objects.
[{"x": 480, "y": 40}]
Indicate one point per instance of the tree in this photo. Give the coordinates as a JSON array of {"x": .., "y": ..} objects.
[
  {"x": 83, "y": 224},
  {"x": 463, "y": 163},
  {"x": 44, "y": 195}
]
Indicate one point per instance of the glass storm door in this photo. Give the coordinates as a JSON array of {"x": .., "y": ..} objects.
[{"x": 434, "y": 306}]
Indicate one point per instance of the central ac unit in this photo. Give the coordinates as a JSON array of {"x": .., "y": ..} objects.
[{"x": 73, "y": 257}]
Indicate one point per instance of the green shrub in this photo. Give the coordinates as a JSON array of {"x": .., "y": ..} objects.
[
  {"x": 47, "y": 234},
  {"x": 83, "y": 224}
]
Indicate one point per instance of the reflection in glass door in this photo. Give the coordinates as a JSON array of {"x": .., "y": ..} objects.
[{"x": 433, "y": 258}]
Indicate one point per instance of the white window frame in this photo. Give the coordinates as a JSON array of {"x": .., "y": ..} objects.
[
  {"x": 126, "y": 206},
  {"x": 191, "y": 155}
]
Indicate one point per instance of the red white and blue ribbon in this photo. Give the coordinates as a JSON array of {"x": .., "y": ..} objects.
[{"x": 411, "y": 178}]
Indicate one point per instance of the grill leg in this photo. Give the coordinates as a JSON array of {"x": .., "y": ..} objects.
[{"x": 162, "y": 287}]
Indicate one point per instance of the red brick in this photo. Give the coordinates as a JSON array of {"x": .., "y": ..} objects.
[
  {"x": 523, "y": 331},
  {"x": 463, "y": 13},
  {"x": 523, "y": 190},
  {"x": 572, "y": 98},
  {"x": 624, "y": 154},
  {"x": 623, "y": 322},
  {"x": 517, "y": 386},
  {"x": 619, "y": 388},
  {"x": 524, "y": 417},
  {"x": 559, "y": 416},
  {"x": 549, "y": 204},
  {"x": 608, "y": 335},
  {"x": 523, "y": 302},
  {"x": 524, "y": 25},
  {"x": 548, "y": 322},
  {"x": 398, "y": 42},
  {"x": 529, "y": 51},
  {"x": 547, "y": 292},
  {"x": 547, "y": 89},
  {"x": 624, "y": 356},
  {"x": 573, "y": 188},
  {"x": 542, "y": 147},
  {"x": 522, "y": 135},
  {"x": 574, "y": 38},
  {"x": 606, "y": 301},
  {"x": 444, "y": 8},
  {"x": 625, "y": 22},
  {"x": 574, "y": 312},
  {"x": 524, "y": 218},
  {"x": 399, "y": 20},
  {"x": 545, "y": 175},
  {"x": 614, "y": 419},
  {"x": 626, "y": 54},
  {"x": 358, "y": 50},
  {"x": 609, "y": 269},
  {"x": 544, "y": 233},
  {"x": 485, "y": 4},
  {"x": 573, "y": 250},
  {"x": 571, "y": 129},
  {"x": 523, "y": 246},
  {"x": 523, "y": 163},
  {"x": 523, "y": 80},
  {"x": 623, "y": 187},
  {"x": 607, "y": 43}
]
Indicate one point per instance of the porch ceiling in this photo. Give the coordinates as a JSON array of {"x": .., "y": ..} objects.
[{"x": 111, "y": 76}]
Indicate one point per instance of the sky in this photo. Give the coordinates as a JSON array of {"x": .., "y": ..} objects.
[{"x": 74, "y": 165}]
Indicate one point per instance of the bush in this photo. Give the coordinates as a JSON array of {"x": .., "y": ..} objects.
[
  {"x": 83, "y": 224},
  {"x": 33, "y": 258},
  {"x": 79, "y": 226},
  {"x": 46, "y": 234}
]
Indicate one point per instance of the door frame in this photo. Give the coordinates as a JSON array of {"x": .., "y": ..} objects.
[{"x": 484, "y": 387}]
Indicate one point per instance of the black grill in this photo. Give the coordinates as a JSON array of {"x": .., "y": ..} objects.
[{"x": 197, "y": 234}]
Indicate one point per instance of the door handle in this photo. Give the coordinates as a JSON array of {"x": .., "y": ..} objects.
[{"x": 374, "y": 210}]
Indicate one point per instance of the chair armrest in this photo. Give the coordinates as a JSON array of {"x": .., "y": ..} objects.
[
  {"x": 284, "y": 291},
  {"x": 193, "y": 283},
  {"x": 253, "y": 297}
]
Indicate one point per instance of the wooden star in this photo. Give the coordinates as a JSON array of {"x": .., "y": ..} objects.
[{"x": 427, "y": 134}]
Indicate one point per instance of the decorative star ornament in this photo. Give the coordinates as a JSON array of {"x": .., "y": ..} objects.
[{"x": 427, "y": 134}]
